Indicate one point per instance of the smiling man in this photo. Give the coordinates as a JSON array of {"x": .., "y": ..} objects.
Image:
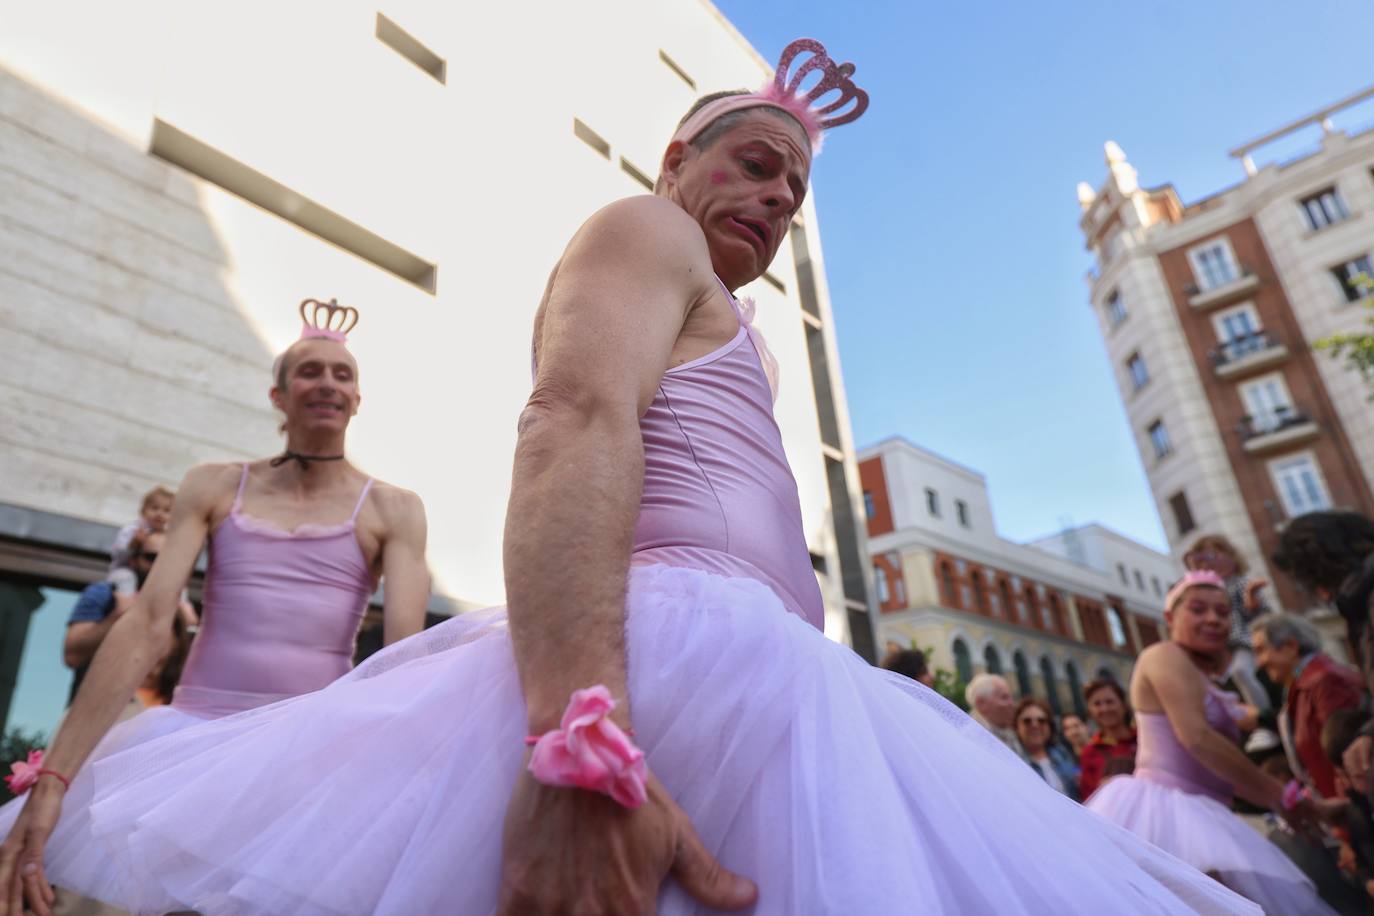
[{"x": 298, "y": 544}]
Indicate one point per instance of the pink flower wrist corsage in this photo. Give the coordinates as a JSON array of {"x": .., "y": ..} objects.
[
  {"x": 1293, "y": 794},
  {"x": 590, "y": 751},
  {"x": 24, "y": 774}
]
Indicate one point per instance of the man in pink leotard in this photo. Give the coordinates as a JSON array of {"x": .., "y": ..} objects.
[{"x": 299, "y": 543}]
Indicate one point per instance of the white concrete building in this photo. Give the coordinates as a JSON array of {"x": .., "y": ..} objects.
[
  {"x": 1050, "y": 615},
  {"x": 175, "y": 178},
  {"x": 1209, "y": 312}
]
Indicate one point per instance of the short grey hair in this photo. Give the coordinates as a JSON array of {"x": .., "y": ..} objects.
[
  {"x": 1280, "y": 628},
  {"x": 981, "y": 686}
]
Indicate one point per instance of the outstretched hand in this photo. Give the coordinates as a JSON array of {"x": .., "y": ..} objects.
[
  {"x": 575, "y": 851},
  {"x": 21, "y": 854}
]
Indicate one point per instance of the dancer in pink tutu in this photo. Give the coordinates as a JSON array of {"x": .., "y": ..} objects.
[
  {"x": 1189, "y": 765},
  {"x": 297, "y": 545},
  {"x": 655, "y": 723}
]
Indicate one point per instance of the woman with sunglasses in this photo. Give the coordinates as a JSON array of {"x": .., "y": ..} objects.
[{"x": 1035, "y": 730}]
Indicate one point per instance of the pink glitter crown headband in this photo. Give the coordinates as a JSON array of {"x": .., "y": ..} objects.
[
  {"x": 784, "y": 92},
  {"x": 327, "y": 319},
  {"x": 323, "y": 319},
  {"x": 1190, "y": 580}
]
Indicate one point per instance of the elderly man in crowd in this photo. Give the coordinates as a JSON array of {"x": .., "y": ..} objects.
[
  {"x": 1314, "y": 685},
  {"x": 992, "y": 706}
]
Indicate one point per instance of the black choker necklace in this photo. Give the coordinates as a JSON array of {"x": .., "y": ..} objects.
[{"x": 302, "y": 460}]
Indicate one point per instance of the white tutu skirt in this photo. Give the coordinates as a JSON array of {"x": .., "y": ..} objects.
[
  {"x": 837, "y": 787},
  {"x": 1205, "y": 833}
]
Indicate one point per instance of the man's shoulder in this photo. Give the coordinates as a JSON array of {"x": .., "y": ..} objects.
[
  {"x": 396, "y": 505},
  {"x": 648, "y": 225},
  {"x": 94, "y": 603}
]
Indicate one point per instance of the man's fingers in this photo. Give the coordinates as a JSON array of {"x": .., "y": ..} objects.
[
  {"x": 36, "y": 889},
  {"x": 706, "y": 879}
]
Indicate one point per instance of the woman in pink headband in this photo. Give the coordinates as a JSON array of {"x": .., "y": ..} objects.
[
  {"x": 656, "y": 722},
  {"x": 1189, "y": 764}
]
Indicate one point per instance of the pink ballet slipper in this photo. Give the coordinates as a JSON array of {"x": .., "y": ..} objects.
[{"x": 590, "y": 751}]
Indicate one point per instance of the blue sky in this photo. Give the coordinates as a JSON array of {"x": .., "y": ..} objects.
[{"x": 949, "y": 219}]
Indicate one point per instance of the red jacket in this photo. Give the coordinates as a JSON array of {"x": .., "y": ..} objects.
[
  {"x": 1323, "y": 687},
  {"x": 1093, "y": 760}
]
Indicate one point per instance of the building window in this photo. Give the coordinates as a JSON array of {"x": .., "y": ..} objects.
[
  {"x": 1051, "y": 688},
  {"x": 1154, "y": 583},
  {"x": 947, "y": 585},
  {"x": 963, "y": 663},
  {"x": 1159, "y": 438},
  {"x": 961, "y": 510},
  {"x": 1213, "y": 265},
  {"x": 591, "y": 138},
  {"x": 409, "y": 47},
  {"x": 932, "y": 502},
  {"x": 980, "y": 592},
  {"x": 1139, "y": 580},
  {"x": 1115, "y": 308},
  {"x": 629, "y": 168},
  {"x": 1116, "y": 628},
  {"x": 1268, "y": 403},
  {"x": 1008, "y": 602},
  {"x": 1237, "y": 329},
  {"x": 1300, "y": 485},
  {"x": 1121, "y": 571},
  {"x": 899, "y": 590},
  {"x": 1135, "y": 366},
  {"x": 1354, "y": 278},
  {"x": 880, "y": 583},
  {"x": 1023, "y": 679},
  {"x": 1057, "y": 612},
  {"x": 992, "y": 661},
  {"x": 1323, "y": 208},
  {"x": 676, "y": 68},
  {"x": 869, "y": 510},
  {"x": 1183, "y": 514}
]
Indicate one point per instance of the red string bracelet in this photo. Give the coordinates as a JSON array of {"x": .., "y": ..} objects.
[{"x": 66, "y": 783}]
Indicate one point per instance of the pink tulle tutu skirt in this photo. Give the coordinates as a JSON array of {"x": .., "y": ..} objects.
[
  {"x": 839, "y": 788},
  {"x": 1205, "y": 833}
]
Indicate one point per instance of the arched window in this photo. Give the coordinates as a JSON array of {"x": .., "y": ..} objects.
[
  {"x": 880, "y": 583},
  {"x": 980, "y": 592},
  {"x": 1051, "y": 688},
  {"x": 992, "y": 661},
  {"x": 1117, "y": 628},
  {"x": 1076, "y": 691},
  {"x": 963, "y": 662},
  {"x": 1023, "y": 678},
  {"x": 1106, "y": 674},
  {"x": 951, "y": 594}
]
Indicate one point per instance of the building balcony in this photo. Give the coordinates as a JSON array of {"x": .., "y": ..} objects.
[
  {"x": 1248, "y": 354},
  {"x": 1284, "y": 428},
  {"x": 1204, "y": 300}
]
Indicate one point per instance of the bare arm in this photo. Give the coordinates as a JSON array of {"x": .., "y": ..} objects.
[
  {"x": 403, "y": 568},
  {"x": 1182, "y": 691},
  {"x": 133, "y": 645},
  {"x": 613, "y": 313}
]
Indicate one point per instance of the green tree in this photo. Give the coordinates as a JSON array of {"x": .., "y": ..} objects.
[
  {"x": 947, "y": 683},
  {"x": 1356, "y": 346}
]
